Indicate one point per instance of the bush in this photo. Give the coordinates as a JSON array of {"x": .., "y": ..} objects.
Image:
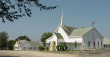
[
  {"x": 41, "y": 48},
  {"x": 61, "y": 47},
  {"x": 47, "y": 48}
]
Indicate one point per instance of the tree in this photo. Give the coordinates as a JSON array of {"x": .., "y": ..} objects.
[
  {"x": 45, "y": 36},
  {"x": 23, "y": 38},
  {"x": 11, "y": 44},
  {"x": 14, "y": 9},
  {"x": 3, "y": 40}
]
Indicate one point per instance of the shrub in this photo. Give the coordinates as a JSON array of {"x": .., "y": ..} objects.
[
  {"x": 41, "y": 48},
  {"x": 61, "y": 47},
  {"x": 47, "y": 48}
]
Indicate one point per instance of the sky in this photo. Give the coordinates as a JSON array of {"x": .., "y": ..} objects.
[{"x": 76, "y": 13}]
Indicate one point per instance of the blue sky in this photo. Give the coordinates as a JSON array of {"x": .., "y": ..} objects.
[{"x": 77, "y": 13}]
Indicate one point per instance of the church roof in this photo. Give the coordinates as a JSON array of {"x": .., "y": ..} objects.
[
  {"x": 80, "y": 31},
  {"x": 73, "y": 31},
  {"x": 58, "y": 35},
  {"x": 68, "y": 29}
]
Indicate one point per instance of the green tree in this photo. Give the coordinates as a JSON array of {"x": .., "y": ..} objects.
[
  {"x": 3, "y": 40},
  {"x": 23, "y": 38},
  {"x": 14, "y": 9},
  {"x": 45, "y": 36},
  {"x": 11, "y": 44}
]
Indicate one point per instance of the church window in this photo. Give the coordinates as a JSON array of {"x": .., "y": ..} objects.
[
  {"x": 64, "y": 43},
  {"x": 88, "y": 43},
  {"x": 101, "y": 44},
  {"x": 75, "y": 44},
  {"x": 98, "y": 44},
  {"x": 94, "y": 43}
]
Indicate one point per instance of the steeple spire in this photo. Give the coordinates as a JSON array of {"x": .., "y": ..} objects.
[{"x": 62, "y": 19}]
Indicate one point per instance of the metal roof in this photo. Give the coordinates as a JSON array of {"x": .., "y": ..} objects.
[
  {"x": 80, "y": 31},
  {"x": 34, "y": 44},
  {"x": 58, "y": 35},
  {"x": 72, "y": 31}
]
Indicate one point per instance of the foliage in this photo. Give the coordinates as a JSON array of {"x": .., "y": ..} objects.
[
  {"x": 41, "y": 48},
  {"x": 23, "y": 38},
  {"x": 45, "y": 36},
  {"x": 14, "y": 9},
  {"x": 61, "y": 47},
  {"x": 11, "y": 44},
  {"x": 3, "y": 40},
  {"x": 47, "y": 48}
]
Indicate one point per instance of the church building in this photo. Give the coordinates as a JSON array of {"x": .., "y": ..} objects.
[{"x": 75, "y": 38}]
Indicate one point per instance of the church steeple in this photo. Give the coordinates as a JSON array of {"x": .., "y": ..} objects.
[{"x": 62, "y": 19}]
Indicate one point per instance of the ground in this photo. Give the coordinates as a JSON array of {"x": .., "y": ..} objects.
[{"x": 99, "y": 53}]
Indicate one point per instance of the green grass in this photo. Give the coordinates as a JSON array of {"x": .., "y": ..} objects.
[{"x": 70, "y": 51}]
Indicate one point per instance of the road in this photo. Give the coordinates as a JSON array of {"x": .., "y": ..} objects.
[
  {"x": 33, "y": 54},
  {"x": 5, "y": 53}
]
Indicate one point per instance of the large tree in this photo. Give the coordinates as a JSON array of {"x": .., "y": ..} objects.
[
  {"x": 11, "y": 44},
  {"x": 44, "y": 37},
  {"x": 14, "y": 9},
  {"x": 23, "y": 38},
  {"x": 3, "y": 40}
]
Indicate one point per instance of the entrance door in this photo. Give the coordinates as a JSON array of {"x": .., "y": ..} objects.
[{"x": 52, "y": 46}]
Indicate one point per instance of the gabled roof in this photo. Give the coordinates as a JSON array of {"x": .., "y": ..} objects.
[
  {"x": 34, "y": 44},
  {"x": 22, "y": 41},
  {"x": 80, "y": 31},
  {"x": 106, "y": 41},
  {"x": 68, "y": 29},
  {"x": 73, "y": 31},
  {"x": 58, "y": 35}
]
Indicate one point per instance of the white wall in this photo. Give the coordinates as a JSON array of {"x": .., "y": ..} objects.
[
  {"x": 25, "y": 44},
  {"x": 89, "y": 37},
  {"x": 66, "y": 38},
  {"x": 16, "y": 46},
  {"x": 54, "y": 38}
]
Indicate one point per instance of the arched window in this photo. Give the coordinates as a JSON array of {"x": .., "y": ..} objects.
[
  {"x": 94, "y": 43},
  {"x": 88, "y": 43},
  {"x": 98, "y": 44},
  {"x": 75, "y": 44},
  {"x": 101, "y": 44},
  {"x": 64, "y": 43}
]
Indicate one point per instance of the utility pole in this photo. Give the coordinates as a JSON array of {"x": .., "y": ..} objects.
[{"x": 93, "y": 34}]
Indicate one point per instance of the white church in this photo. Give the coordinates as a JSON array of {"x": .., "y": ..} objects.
[{"x": 75, "y": 38}]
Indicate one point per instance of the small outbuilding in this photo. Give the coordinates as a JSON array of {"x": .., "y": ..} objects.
[
  {"x": 106, "y": 43},
  {"x": 26, "y": 45}
]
